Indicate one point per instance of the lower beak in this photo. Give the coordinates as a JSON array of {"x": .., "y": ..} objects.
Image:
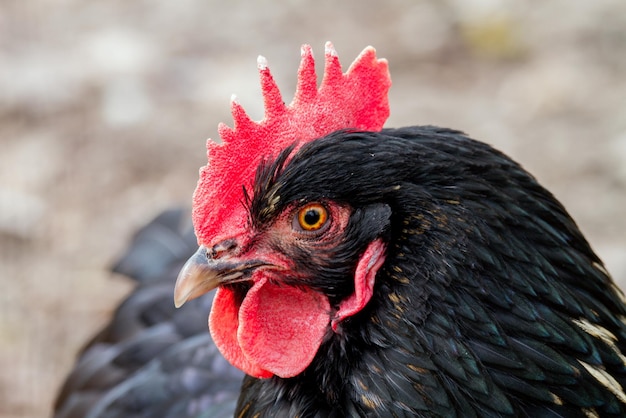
[{"x": 200, "y": 275}]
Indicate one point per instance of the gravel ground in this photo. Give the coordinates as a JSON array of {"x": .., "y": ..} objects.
[{"x": 105, "y": 108}]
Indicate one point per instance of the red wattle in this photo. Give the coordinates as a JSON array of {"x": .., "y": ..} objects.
[
  {"x": 277, "y": 330},
  {"x": 282, "y": 327},
  {"x": 223, "y": 324}
]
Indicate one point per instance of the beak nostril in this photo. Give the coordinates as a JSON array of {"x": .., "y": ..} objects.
[{"x": 219, "y": 249}]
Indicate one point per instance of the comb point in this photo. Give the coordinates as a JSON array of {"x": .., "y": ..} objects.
[
  {"x": 367, "y": 58},
  {"x": 306, "y": 88},
  {"x": 332, "y": 69},
  {"x": 225, "y": 132},
  {"x": 241, "y": 119},
  {"x": 306, "y": 49},
  {"x": 272, "y": 98},
  {"x": 329, "y": 49}
]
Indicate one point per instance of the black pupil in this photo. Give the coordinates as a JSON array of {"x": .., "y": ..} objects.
[{"x": 311, "y": 217}]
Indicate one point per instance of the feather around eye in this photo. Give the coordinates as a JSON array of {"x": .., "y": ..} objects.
[{"x": 311, "y": 218}]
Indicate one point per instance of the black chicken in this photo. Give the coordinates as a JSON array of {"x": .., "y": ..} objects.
[{"x": 395, "y": 272}]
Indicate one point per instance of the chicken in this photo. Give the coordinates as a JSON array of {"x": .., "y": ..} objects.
[{"x": 363, "y": 271}]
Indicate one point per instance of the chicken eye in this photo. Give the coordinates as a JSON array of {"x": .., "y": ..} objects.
[{"x": 311, "y": 217}]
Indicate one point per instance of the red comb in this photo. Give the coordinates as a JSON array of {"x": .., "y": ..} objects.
[{"x": 354, "y": 100}]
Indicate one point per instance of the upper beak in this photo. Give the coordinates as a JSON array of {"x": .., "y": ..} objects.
[{"x": 200, "y": 275}]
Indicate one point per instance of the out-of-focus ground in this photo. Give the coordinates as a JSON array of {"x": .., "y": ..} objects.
[{"x": 105, "y": 108}]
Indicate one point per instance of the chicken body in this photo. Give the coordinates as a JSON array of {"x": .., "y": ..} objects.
[{"x": 489, "y": 303}]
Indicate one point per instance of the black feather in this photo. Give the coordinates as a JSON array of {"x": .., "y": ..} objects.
[{"x": 480, "y": 307}]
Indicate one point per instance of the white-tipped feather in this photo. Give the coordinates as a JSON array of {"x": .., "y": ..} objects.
[{"x": 606, "y": 380}]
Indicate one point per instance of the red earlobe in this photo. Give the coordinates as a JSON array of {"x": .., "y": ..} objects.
[{"x": 369, "y": 263}]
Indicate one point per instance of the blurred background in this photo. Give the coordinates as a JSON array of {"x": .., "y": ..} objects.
[{"x": 105, "y": 108}]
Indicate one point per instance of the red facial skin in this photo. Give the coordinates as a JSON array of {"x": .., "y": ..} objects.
[{"x": 276, "y": 329}]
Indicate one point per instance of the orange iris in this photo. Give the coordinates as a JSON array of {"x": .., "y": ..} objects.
[{"x": 312, "y": 217}]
